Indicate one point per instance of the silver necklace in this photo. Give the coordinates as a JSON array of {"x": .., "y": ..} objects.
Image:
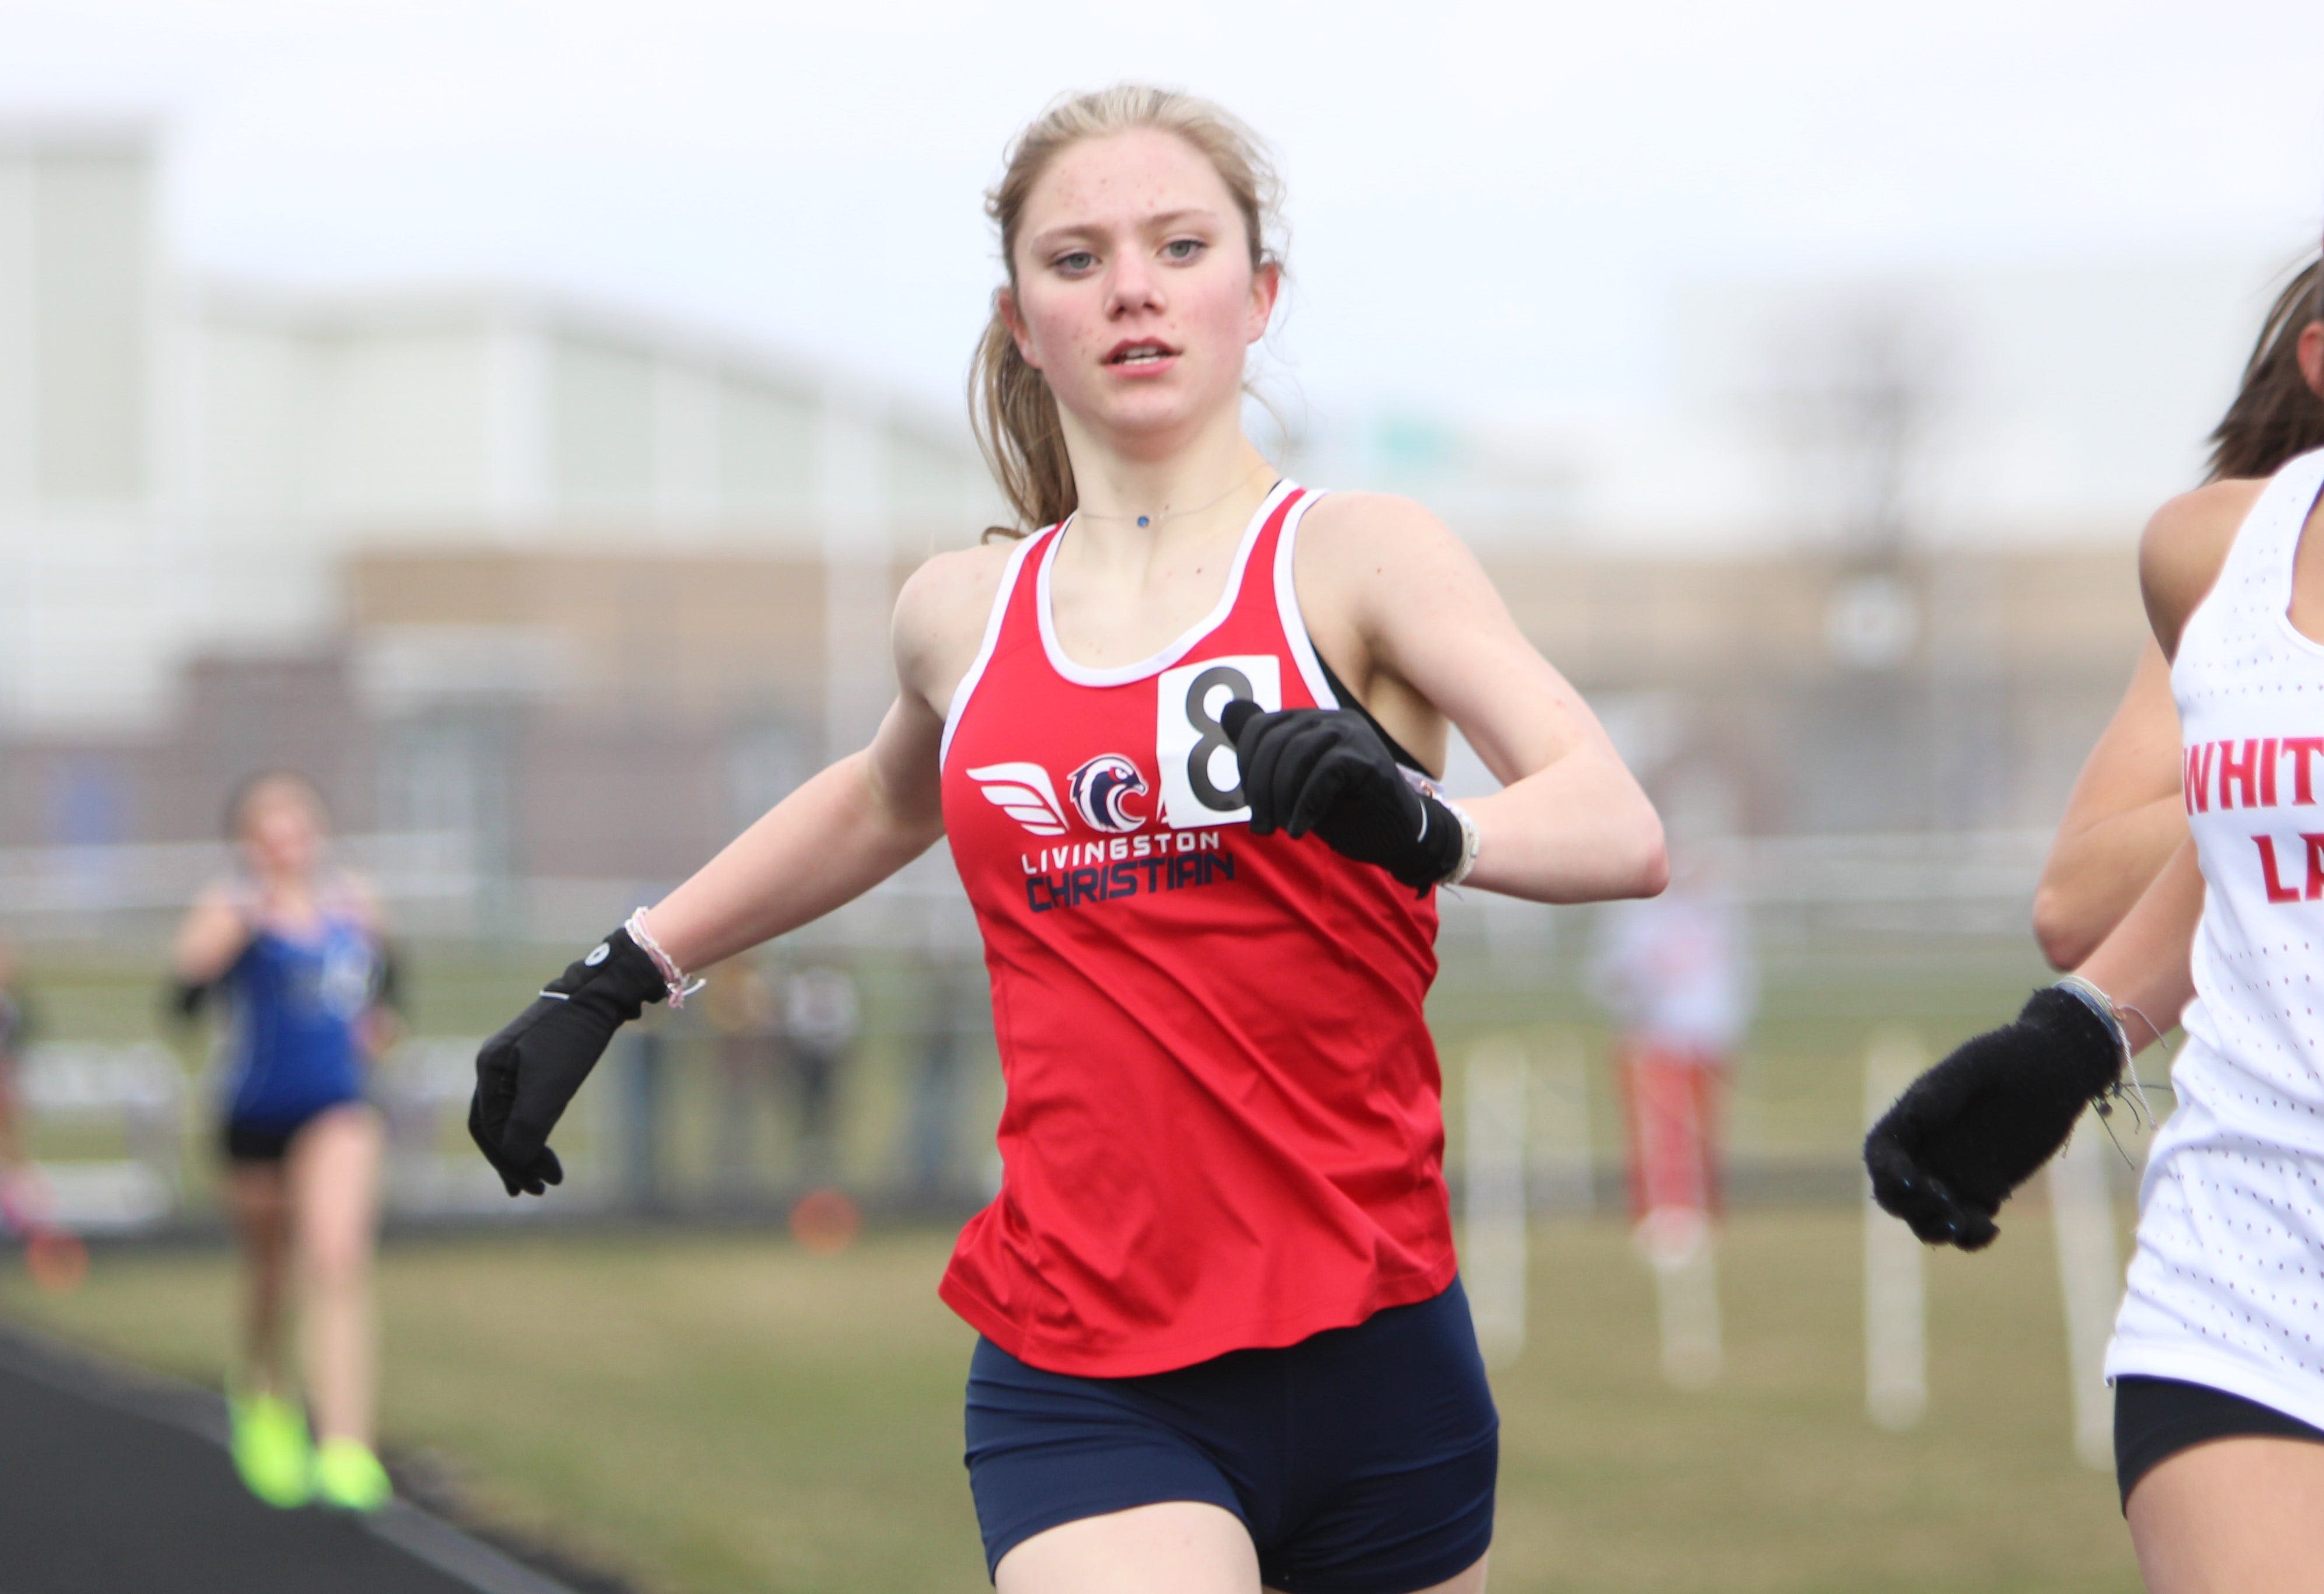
[{"x": 1177, "y": 514}]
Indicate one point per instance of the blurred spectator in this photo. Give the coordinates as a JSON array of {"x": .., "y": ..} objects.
[
  {"x": 740, "y": 1012},
  {"x": 939, "y": 1088},
  {"x": 1676, "y": 973},
  {"x": 821, "y": 1020},
  {"x": 15, "y": 1033},
  {"x": 53, "y": 1255}
]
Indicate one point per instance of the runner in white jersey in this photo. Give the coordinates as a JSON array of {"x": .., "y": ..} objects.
[
  {"x": 2124, "y": 818},
  {"x": 2218, "y": 1355}
]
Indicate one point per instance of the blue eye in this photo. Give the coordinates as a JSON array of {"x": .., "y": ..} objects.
[
  {"x": 1079, "y": 260},
  {"x": 1182, "y": 248}
]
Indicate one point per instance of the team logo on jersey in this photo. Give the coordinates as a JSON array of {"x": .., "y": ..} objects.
[
  {"x": 1101, "y": 790},
  {"x": 1023, "y": 792}
]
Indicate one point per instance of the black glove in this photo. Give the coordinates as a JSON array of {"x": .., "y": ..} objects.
[
  {"x": 182, "y": 999},
  {"x": 387, "y": 980},
  {"x": 1325, "y": 770},
  {"x": 527, "y": 1072},
  {"x": 1974, "y": 1128}
]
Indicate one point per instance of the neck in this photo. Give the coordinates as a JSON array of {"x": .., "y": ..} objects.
[
  {"x": 285, "y": 890},
  {"x": 1211, "y": 470}
]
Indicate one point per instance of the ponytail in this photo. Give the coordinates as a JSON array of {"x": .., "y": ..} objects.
[
  {"x": 1015, "y": 417},
  {"x": 2276, "y": 416},
  {"x": 1010, "y": 405}
]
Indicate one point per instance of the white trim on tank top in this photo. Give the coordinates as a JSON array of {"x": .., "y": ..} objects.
[
  {"x": 2285, "y": 566},
  {"x": 2265, "y": 548},
  {"x": 1287, "y": 611},
  {"x": 960, "y": 693},
  {"x": 1123, "y": 675}
]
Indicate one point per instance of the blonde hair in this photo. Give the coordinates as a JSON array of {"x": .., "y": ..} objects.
[{"x": 1010, "y": 405}]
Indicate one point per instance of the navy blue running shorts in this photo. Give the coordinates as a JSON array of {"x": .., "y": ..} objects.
[{"x": 1361, "y": 1460}]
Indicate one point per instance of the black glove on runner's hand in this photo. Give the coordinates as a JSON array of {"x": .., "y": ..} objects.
[
  {"x": 1325, "y": 771},
  {"x": 1974, "y": 1128},
  {"x": 528, "y": 1073},
  {"x": 182, "y": 999}
]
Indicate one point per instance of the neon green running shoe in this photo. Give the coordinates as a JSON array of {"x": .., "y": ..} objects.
[
  {"x": 269, "y": 1449},
  {"x": 349, "y": 1478}
]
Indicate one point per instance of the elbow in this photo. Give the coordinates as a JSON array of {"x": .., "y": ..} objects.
[
  {"x": 1645, "y": 870},
  {"x": 1653, "y": 877},
  {"x": 2065, "y": 941}
]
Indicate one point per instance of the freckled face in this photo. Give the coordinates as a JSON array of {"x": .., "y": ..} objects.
[{"x": 1134, "y": 293}]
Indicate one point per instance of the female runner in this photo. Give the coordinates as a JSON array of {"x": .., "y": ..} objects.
[
  {"x": 2219, "y": 1377},
  {"x": 294, "y": 951},
  {"x": 1176, "y": 738},
  {"x": 2124, "y": 818}
]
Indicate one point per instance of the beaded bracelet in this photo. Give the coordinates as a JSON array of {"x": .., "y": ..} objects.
[
  {"x": 672, "y": 976},
  {"x": 1468, "y": 842}
]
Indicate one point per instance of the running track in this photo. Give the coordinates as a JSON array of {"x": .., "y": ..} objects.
[{"x": 111, "y": 1483}]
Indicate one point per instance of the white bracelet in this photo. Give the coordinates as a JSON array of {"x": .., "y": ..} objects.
[
  {"x": 2088, "y": 992},
  {"x": 1468, "y": 844},
  {"x": 672, "y": 976},
  {"x": 2110, "y": 1012}
]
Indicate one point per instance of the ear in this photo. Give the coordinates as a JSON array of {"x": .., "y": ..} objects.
[
  {"x": 1266, "y": 286},
  {"x": 1004, "y": 305},
  {"x": 2311, "y": 356}
]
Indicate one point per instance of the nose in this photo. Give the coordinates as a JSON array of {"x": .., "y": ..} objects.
[{"x": 1134, "y": 287}]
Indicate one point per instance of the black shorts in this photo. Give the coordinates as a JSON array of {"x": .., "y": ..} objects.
[
  {"x": 250, "y": 1140},
  {"x": 1361, "y": 1460},
  {"x": 2157, "y": 1418}
]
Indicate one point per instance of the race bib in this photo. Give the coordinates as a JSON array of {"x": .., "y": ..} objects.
[{"x": 1202, "y": 782}]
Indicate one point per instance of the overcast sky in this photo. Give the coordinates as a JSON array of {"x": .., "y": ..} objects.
[{"x": 1489, "y": 202}]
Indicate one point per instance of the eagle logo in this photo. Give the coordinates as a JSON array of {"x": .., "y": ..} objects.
[
  {"x": 1100, "y": 789},
  {"x": 1023, "y": 792}
]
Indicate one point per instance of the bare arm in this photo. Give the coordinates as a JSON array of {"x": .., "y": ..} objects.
[
  {"x": 2122, "y": 825},
  {"x": 216, "y": 930},
  {"x": 826, "y": 844},
  {"x": 864, "y": 817},
  {"x": 2145, "y": 964},
  {"x": 2123, "y": 820},
  {"x": 1397, "y": 593}
]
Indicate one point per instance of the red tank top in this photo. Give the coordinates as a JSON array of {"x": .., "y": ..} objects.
[{"x": 1222, "y": 1126}]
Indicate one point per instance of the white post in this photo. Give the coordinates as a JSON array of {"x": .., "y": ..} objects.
[
  {"x": 2090, "y": 1272},
  {"x": 1676, "y": 1242},
  {"x": 1686, "y": 1290},
  {"x": 1493, "y": 1265},
  {"x": 1563, "y": 1176},
  {"x": 1895, "y": 1288}
]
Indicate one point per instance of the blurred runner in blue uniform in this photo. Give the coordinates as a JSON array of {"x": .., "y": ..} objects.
[{"x": 292, "y": 950}]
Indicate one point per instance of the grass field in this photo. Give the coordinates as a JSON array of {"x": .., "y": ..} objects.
[
  {"x": 721, "y": 1412},
  {"x": 715, "y": 1415},
  {"x": 1798, "y": 1080}
]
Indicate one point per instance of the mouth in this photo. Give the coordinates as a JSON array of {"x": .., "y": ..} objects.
[{"x": 1138, "y": 352}]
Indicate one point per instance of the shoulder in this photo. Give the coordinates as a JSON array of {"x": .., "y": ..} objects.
[
  {"x": 2183, "y": 547},
  {"x": 953, "y": 591},
  {"x": 1378, "y": 524},
  {"x": 942, "y": 609},
  {"x": 1378, "y": 545}
]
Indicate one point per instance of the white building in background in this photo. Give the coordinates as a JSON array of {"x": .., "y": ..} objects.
[{"x": 187, "y": 466}]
